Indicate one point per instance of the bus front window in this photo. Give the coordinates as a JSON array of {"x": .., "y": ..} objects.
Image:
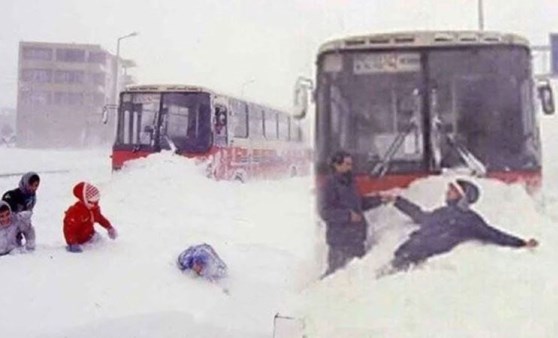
[
  {"x": 187, "y": 121},
  {"x": 485, "y": 103},
  {"x": 138, "y": 119},
  {"x": 369, "y": 104}
]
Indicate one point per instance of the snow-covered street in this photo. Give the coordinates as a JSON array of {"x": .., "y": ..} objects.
[
  {"x": 131, "y": 287},
  {"x": 266, "y": 233}
]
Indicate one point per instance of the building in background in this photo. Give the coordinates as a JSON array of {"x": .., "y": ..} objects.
[
  {"x": 62, "y": 89},
  {"x": 7, "y": 126}
]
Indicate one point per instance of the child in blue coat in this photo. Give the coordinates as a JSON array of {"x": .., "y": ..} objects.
[{"x": 202, "y": 260}]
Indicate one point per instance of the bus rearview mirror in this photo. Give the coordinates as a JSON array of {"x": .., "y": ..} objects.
[
  {"x": 302, "y": 94},
  {"x": 104, "y": 118},
  {"x": 547, "y": 98}
]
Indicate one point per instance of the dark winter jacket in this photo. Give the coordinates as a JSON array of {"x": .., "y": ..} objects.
[
  {"x": 337, "y": 197},
  {"x": 21, "y": 199},
  {"x": 443, "y": 229}
]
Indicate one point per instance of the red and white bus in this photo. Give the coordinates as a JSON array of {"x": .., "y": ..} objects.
[
  {"x": 413, "y": 104},
  {"x": 238, "y": 139}
]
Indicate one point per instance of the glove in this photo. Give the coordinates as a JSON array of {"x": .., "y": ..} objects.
[
  {"x": 74, "y": 248},
  {"x": 112, "y": 233}
]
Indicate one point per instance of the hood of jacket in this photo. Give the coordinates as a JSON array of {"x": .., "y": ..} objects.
[
  {"x": 87, "y": 193},
  {"x": 24, "y": 183}
]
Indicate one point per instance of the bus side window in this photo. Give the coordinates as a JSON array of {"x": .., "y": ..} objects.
[
  {"x": 220, "y": 125},
  {"x": 240, "y": 120},
  {"x": 256, "y": 121}
]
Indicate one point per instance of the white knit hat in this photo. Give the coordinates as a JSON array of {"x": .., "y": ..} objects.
[{"x": 90, "y": 193}]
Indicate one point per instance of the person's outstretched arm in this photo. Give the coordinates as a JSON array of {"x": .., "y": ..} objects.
[
  {"x": 371, "y": 202},
  {"x": 487, "y": 233},
  {"x": 410, "y": 209}
]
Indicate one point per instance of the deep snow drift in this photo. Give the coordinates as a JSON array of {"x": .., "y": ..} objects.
[
  {"x": 266, "y": 233},
  {"x": 131, "y": 287}
]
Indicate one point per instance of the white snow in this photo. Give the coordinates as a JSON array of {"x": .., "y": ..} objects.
[{"x": 266, "y": 233}]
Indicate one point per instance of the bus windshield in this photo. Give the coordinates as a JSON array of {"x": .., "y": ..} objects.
[
  {"x": 163, "y": 120},
  {"x": 410, "y": 109}
]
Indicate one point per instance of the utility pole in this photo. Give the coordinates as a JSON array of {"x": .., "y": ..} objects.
[
  {"x": 481, "y": 15},
  {"x": 117, "y": 64}
]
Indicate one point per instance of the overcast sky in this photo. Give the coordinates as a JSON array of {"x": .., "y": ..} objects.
[{"x": 251, "y": 47}]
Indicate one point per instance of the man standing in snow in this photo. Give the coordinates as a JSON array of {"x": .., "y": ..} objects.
[
  {"x": 444, "y": 228},
  {"x": 80, "y": 217},
  {"x": 203, "y": 261},
  {"x": 10, "y": 225},
  {"x": 341, "y": 207}
]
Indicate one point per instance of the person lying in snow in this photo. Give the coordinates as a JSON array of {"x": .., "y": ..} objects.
[
  {"x": 444, "y": 228},
  {"x": 11, "y": 224},
  {"x": 203, "y": 261},
  {"x": 80, "y": 217}
]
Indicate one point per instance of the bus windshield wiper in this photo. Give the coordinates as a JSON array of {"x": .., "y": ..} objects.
[
  {"x": 471, "y": 161},
  {"x": 172, "y": 145},
  {"x": 381, "y": 168}
]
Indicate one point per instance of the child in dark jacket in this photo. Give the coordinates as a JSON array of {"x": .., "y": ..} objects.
[
  {"x": 80, "y": 217},
  {"x": 23, "y": 198}
]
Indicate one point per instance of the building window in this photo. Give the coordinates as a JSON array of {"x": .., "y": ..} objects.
[
  {"x": 98, "y": 79},
  {"x": 98, "y": 99},
  {"x": 68, "y": 99},
  {"x": 35, "y": 97},
  {"x": 95, "y": 99},
  {"x": 36, "y": 75},
  {"x": 70, "y": 55},
  {"x": 68, "y": 76},
  {"x": 37, "y": 53},
  {"x": 97, "y": 57}
]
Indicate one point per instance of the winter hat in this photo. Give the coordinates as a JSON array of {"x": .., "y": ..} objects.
[
  {"x": 26, "y": 179},
  {"x": 4, "y": 205},
  {"x": 87, "y": 193},
  {"x": 469, "y": 190}
]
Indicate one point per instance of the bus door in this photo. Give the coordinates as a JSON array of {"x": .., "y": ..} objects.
[
  {"x": 137, "y": 126},
  {"x": 137, "y": 123}
]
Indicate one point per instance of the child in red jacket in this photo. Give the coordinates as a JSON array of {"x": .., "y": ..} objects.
[{"x": 80, "y": 217}]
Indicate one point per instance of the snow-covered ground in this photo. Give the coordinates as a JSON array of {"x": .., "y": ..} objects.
[
  {"x": 266, "y": 233},
  {"x": 131, "y": 287}
]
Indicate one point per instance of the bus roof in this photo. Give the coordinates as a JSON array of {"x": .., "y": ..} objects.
[
  {"x": 166, "y": 88},
  {"x": 193, "y": 89},
  {"x": 423, "y": 39}
]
